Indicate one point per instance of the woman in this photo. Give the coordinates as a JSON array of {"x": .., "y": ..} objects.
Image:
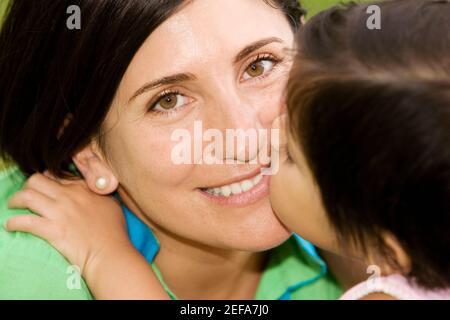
[{"x": 110, "y": 95}]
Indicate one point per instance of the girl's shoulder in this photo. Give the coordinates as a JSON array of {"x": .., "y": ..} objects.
[{"x": 393, "y": 287}]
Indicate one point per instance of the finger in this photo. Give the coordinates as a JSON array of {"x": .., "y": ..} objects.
[
  {"x": 44, "y": 184},
  {"x": 33, "y": 224},
  {"x": 33, "y": 200},
  {"x": 61, "y": 181},
  {"x": 48, "y": 174}
]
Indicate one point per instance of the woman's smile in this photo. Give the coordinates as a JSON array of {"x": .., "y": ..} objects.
[{"x": 241, "y": 191}]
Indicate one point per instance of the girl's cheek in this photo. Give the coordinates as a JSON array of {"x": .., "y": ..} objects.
[{"x": 280, "y": 192}]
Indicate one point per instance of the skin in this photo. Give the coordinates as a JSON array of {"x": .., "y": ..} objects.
[
  {"x": 207, "y": 250},
  {"x": 296, "y": 198}
]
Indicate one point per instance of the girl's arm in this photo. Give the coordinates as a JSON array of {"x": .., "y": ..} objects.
[
  {"x": 90, "y": 231},
  {"x": 123, "y": 275}
]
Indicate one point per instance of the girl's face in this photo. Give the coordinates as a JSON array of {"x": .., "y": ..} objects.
[
  {"x": 296, "y": 198},
  {"x": 221, "y": 62}
]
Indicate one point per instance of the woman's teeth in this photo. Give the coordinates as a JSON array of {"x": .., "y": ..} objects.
[{"x": 235, "y": 188}]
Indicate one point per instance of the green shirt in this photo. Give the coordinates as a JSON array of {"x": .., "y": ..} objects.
[
  {"x": 290, "y": 275},
  {"x": 30, "y": 268}
]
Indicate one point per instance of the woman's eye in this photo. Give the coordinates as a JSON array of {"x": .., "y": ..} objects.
[
  {"x": 170, "y": 101},
  {"x": 258, "y": 69}
]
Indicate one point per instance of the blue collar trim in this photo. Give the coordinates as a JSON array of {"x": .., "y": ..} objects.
[{"x": 141, "y": 236}]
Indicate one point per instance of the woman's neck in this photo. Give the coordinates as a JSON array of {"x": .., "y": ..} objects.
[{"x": 198, "y": 272}]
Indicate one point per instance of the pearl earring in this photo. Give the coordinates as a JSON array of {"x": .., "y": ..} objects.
[{"x": 101, "y": 183}]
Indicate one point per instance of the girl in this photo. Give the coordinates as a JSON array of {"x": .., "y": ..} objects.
[{"x": 368, "y": 167}]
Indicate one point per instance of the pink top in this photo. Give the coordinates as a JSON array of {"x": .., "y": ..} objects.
[{"x": 396, "y": 286}]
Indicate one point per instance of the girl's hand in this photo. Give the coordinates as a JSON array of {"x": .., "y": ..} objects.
[
  {"x": 80, "y": 224},
  {"x": 90, "y": 231}
]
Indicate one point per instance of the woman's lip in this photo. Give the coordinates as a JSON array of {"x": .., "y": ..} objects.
[
  {"x": 255, "y": 194},
  {"x": 236, "y": 179}
]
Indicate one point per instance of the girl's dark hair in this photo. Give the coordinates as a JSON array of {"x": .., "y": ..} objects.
[
  {"x": 48, "y": 72},
  {"x": 371, "y": 111}
]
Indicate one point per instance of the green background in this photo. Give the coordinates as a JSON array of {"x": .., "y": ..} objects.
[
  {"x": 314, "y": 6},
  {"x": 3, "y": 4}
]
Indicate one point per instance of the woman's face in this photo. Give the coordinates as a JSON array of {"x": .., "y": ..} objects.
[{"x": 221, "y": 62}]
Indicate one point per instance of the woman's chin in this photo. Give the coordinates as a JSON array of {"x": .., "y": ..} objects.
[
  {"x": 257, "y": 232},
  {"x": 269, "y": 242}
]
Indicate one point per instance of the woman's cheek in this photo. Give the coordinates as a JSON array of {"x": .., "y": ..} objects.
[
  {"x": 145, "y": 158},
  {"x": 268, "y": 101},
  {"x": 159, "y": 161}
]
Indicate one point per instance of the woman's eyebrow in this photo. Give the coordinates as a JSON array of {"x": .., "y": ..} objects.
[
  {"x": 255, "y": 46},
  {"x": 169, "y": 80},
  {"x": 181, "y": 77}
]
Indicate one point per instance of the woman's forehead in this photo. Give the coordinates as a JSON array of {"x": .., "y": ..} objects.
[
  {"x": 212, "y": 29},
  {"x": 203, "y": 32},
  {"x": 208, "y": 24}
]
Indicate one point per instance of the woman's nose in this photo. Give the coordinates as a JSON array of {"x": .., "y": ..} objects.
[{"x": 242, "y": 129}]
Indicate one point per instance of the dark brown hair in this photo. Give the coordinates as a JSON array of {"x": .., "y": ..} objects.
[
  {"x": 49, "y": 72},
  {"x": 371, "y": 111}
]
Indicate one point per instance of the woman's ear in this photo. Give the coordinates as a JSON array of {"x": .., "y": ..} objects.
[{"x": 96, "y": 171}]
